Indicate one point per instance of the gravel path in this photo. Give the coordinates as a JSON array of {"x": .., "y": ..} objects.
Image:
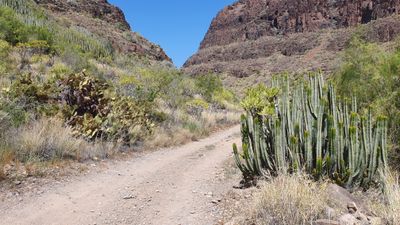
[{"x": 181, "y": 185}]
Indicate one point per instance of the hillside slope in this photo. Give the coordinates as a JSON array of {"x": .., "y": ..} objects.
[
  {"x": 260, "y": 37},
  {"x": 105, "y": 20}
]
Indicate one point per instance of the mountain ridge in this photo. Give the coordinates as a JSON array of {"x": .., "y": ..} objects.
[{"x": 257, "y": 38}]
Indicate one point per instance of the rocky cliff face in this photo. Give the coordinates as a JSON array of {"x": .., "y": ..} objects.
[
  {"x": 260, "y": 37},
  {"x": 106, "y": 21}
]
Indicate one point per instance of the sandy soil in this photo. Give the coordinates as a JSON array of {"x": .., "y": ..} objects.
[{"x": 182, "y": 185}]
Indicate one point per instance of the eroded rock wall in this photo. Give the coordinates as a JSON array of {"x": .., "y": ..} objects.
[{"x": 263, "y": 37}]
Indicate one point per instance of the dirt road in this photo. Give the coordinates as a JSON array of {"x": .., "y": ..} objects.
[{"x": 172, "y": 186}]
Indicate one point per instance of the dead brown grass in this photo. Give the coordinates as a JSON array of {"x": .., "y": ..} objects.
[
  {"x": 389, "y": 208},
  {"x": 180, "y": 133},
  {"x": 44, "y": 144},
  {"x": 297, "y": 200},
  {"x": 288, "y": 200},
  {"x": 48, "y": 139},
  {"x": 5, "y": 154},
  {"x": 169, "y": 137}
]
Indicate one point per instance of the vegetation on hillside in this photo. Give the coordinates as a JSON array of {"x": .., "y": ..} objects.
[
  {"x": 372, "y": 75},
  {"x": 67, "y": 94}
]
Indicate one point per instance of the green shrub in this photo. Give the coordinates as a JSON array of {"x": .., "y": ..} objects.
[
  {"x": 367, "y": 67},
  {"x": 14, "y": 30},
  {"x": 15, "y": 112},
  {"x": 4, "y": 49},
  {"x": 208, "y": 85},
  {"x": 74, "y": 59},
  {"x": 4, "y": 123},
  {"x": 28, "y": 49},
  {"x": 372, "y": 75},
  {"x": 44, "y": 34},
  {"x": 180, "y": 90},
  {"x": 11, "y": 28},
  {"x": 4, "y": 57},
  {"x": 60, "y": 70},
  {"x": 196, "y": 107},
  {"x": 21, "y": 21},
  {"x": 32, "y": 93},
  {"x": 148, "y": 84},
  {"x": 224, "y": 98},
  {"x": 192, "y": 126}
]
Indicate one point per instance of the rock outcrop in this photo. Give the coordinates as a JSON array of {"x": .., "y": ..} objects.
[
  {"x": 106, "y": 21},
  {"x": 97, "y": 9},
  {"x": 261, "y": 37}
]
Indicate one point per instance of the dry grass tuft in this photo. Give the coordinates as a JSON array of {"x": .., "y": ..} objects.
[
  {"x": 49, "y": 139},
  {"x": 212, "y": 119},
  {"x": 289, "y": 200},
  {"x": 43, "y": 144},
  {"x": 163, "y": 138},
  {"x": 46, "y": 139},
  {"x": 389, "y": 209},
  {"x": 5, "y": 154},
  {"x": 190, "y": 128}
]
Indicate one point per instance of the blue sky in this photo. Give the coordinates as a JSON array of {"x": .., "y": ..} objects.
[{"x": 178, "y": 26}]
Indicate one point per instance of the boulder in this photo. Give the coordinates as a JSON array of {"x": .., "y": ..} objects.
[{"x": 344, "y": 200}]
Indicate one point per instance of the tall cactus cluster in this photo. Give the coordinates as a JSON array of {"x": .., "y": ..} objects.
[{"x": 303, "y": 128}]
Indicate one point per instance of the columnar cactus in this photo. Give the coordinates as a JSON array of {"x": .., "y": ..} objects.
[{"x": 308, "y": 130}]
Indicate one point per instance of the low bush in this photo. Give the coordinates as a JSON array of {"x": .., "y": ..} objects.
[
  {"x": 372, "y": 75},
  {"x": 4, "y": 55},
  {"x": 28, "y": 49},
  {"x": 225, "y": 99},
  {"x": 288, "y": 200},
  {"x": 208, "y": 85},
  {"x": 46, "y": 139},
  {"x": 49, "y": 139},
  {"x": 196, "y": 107},
  {"x": 12, "y": 29},
  {"x": 15, "y": 111}
]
